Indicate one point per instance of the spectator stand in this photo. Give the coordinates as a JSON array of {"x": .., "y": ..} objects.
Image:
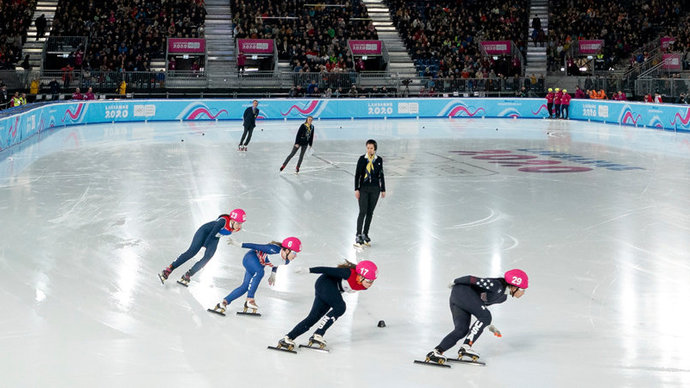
[
  {"x": 504, "y": 54},
  {"x": 372, "y": 73},
  {"x": 186, "y": 62},
  {"x": 369, "y": 56},
  {"x": 60, "y": 51},
  {"x": 584, "y": 58},
  {"x": 259, "y": 57}
]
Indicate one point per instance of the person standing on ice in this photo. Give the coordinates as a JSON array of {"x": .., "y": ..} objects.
[
  {"x": 254, "y": 262},
  {"x": 328, "y": 303},
  {"x": 206, "y": 236},
  {"x": 304, "y": 138},
  {"x": 369, "y": 184},
  {"x": 248, "y": 123},
  {"x": 471, "y": 295}
]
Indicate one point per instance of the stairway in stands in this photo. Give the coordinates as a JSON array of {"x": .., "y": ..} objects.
[
  {"x": 221, "y": 68},
  {"x": 536, "y": 56},
  {"x": 400, "y": 62},
  {"x": 34, "y": 47}
]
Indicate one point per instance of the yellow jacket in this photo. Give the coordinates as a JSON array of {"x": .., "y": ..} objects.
[{"x": 33, "y": 89}]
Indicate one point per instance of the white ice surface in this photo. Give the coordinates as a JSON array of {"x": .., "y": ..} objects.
[{"x": 90, "y": 214}]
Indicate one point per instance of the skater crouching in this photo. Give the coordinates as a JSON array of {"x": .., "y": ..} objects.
[
  {"x": 469, "y": 296},
  {"x": 206, "y": 236},
  {"x": 254, "y": 263},
  {"x": 304, "y": 138},
  {"x": 369, "y": 184},
  {"x": 328, "y": 302}
]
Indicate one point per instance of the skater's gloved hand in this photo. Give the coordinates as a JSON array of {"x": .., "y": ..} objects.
[
  {"x": 272, "y": 279},
  {"x": 495, "y": 330},
  {"x": 233, "y": 242}
]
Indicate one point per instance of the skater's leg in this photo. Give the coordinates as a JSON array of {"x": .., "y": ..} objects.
[
  {"x": 483, "y": 320},
  {"x": 241, "y": 290},
  {"x": 371, "y": 205},
  {"x": 363, "y": 206},
  {"x": 249, "y": 135},
  {"x": 208, "y": 254},
  {"x": 335, "y": 300},
  {"x": 197, "y": 244},
  {"x": 244, "y": 134},
  {"x": 318, "y": 310},
  {"x": 252, "y": 269},
  {"x": 292, "y": 153},
  {"x": 254, "y": 266},
  {"x": 461, "y": 320},
  {"x": 303, "y": 149}
]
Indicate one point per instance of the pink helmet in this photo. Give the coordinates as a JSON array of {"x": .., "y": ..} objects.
[
  {"x": 517, "y": 278},
  {"x": 367, "y": 269},
  {"x": 292, "y": 243},
  {"x": 238, "y": 215}
]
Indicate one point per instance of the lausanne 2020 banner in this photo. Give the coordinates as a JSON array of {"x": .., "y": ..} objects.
[{"x": 16, "y": 128}]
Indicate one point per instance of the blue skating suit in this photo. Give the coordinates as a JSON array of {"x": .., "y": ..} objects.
[
  {"x": 254, "y": 262},
  {"x": 206, "y": 236}
]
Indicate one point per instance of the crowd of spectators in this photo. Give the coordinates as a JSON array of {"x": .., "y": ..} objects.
[
  {"x": 624, "y": 25},
  {"x": 313, "y": 37},
  {"x": 443, "y": 37},
  {"x": 15, "y": 18},
  {"x": 123, "y": 35}
]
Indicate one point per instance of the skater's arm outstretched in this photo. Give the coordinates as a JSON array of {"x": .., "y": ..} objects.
[
  {"x": 270, "y": 249},
  {"x": 342, "y": 273}
]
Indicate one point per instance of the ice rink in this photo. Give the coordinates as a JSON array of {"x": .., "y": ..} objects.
[{"x": 597, "y": 215}]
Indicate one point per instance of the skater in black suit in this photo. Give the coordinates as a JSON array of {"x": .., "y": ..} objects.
[{"x": 470, "y": 296}]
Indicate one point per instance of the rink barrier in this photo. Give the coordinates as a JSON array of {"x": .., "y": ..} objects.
[{"x": 22, "y": 126}]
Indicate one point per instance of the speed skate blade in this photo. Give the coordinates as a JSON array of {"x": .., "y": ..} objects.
[
  {"x": 282, "y": 349},
  {"x": 431, "y": 363},
  {"x": 317, "y": 348},
  {"x": 215, "y": 312},
  {"x": 463, "y": 361},
  {"x": 252, "y": 314},
  {"x": 180, "y": 283}
]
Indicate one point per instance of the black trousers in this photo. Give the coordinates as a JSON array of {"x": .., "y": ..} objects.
[
  {"x": 549, "y": 107},
  {"x": 368, "y": 197},
  {"x": 565, "y": 111},
  {"x": 248, "y": 133},
  {"x": 302, "y": 149},
  {"x": 464, "y": 303},
  {"x": 327, "y": 308}
]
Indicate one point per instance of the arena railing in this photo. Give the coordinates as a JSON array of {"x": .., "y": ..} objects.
[{"x": 669, "y": 87}]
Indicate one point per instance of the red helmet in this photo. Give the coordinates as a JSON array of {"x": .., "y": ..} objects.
[
  {"x": 367, "y": 269},
  {"x": 292, "y": 243},
  {"x": 517, "y": 278},
  {"x": 238, "y": 215}
]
